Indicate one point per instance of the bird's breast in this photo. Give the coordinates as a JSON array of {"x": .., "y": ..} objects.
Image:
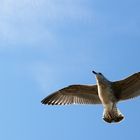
[{"x": 106, "y": 94}]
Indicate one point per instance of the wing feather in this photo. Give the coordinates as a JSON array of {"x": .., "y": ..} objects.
[
  {"x": 74, "y": 94},
  {"x": 127, "y": 88}
]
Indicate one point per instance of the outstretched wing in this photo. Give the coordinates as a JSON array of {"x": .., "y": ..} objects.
[
  {"x": 74, "y": 94},
  {"x": 127, "y": 88}
]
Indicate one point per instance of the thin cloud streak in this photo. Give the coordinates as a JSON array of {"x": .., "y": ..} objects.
[{"x": 29, "y": 22}]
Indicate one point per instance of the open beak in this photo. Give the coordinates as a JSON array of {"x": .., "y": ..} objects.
[{"x": 94, "y": 72}]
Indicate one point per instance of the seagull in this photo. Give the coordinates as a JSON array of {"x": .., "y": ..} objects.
[{"x": 105, "y": 92}]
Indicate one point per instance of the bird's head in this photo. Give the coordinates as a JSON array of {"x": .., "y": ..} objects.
[{"x": 100, "y": 78}]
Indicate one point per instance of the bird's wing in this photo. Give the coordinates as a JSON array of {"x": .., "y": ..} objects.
[
  {"x": 74, "y": 94},
  {"x": 127, "y": 88}
]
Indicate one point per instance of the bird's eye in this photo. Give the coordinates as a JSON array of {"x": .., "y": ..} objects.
[{"x": 100, "y": 73}]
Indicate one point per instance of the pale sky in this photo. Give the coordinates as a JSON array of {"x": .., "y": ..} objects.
[{"x": 46, "y": 45}]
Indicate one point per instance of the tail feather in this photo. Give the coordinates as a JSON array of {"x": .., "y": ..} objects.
[{"x": 113, "y": 115}]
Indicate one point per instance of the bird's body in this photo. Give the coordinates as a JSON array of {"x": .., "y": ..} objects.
[
  {"x": 105, "y": 92},
  {"x": 108, "y": 99}
]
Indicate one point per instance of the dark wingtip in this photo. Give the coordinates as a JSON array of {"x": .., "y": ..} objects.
[{"x": 43, "y": 102}]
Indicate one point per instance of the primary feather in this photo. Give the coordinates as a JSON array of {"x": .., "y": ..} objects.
[{"x": 74, "y": 94}]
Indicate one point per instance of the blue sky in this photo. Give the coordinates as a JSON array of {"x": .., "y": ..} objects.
[{"x": 48, "y": 44}]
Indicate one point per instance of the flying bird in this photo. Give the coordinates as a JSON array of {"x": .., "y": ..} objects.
[{"x": 105, "y": 92}]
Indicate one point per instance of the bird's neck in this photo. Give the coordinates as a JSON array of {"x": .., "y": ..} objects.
[{"x": 103, "y": 82}]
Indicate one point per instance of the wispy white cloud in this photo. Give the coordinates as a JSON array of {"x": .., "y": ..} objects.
[
  {"x": 19, "y": 23},
  {"x": 44, "y": 74},
  {"x": 30, "y": 21},
  {"x": 67, "y": 10}
]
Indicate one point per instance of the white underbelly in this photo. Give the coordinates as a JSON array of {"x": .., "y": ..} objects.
[{"x": 106, "y": 95}]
